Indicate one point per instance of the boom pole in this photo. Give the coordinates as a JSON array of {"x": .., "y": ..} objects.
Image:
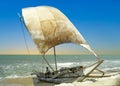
[{"x": 47, "y": 62}]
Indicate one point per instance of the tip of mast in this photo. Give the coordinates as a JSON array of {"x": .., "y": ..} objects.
[
  {"x": 95, "y": 55},
  {"x": 20, "y": 17}
]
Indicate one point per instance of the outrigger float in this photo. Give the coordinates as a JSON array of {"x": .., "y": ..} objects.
[{"x": 49, "y": 27}]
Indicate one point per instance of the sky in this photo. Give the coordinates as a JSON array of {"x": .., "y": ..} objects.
[{"x": 97, "y": 20}]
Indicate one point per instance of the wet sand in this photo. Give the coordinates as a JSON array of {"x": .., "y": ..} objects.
[
  {"x": 17, "y": 82},
  {"x": 28, "y": 81}
]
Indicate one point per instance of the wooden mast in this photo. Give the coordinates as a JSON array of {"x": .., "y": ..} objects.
[{"x": 55, "y": 58}]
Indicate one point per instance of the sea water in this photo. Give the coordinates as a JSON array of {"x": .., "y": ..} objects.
[{"x": 12, "y": 66}]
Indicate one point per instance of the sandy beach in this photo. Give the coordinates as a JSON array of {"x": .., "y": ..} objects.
[
  {"x": 17, "y": 82},
  {"x": 28, "y": 81},
  {"x": 32, "y": 81}
]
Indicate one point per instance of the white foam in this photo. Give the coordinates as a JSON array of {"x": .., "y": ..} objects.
[
  {"x": 65, "y": 64},
  {"x": 16, "y": 76},
  {"x": 114, "y": 68},
  {"x": 13, "y": 76}
]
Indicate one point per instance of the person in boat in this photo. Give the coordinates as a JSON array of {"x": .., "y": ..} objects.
[
  {"x": 47, "y": 74},
  {"x": 81, "y": 69}
]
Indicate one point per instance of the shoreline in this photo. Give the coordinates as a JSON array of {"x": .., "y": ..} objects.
[{"x": 32, "y": 81}]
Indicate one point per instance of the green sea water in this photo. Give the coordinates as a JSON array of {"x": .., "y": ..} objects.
[{"x": 23, "y": 65}]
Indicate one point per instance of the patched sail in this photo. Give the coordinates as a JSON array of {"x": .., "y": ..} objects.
[{"x": 50, "y": 27}]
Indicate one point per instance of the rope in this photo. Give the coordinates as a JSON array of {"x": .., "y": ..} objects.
[
  {"x": 42, "y": 64},
  {"x": 26, "y": 45},
  {"x": 47, "y": 62},
  {"x": 24, "y": 37}
]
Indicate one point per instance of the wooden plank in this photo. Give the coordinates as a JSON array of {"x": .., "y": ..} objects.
[{"x": 79, "y": 79}]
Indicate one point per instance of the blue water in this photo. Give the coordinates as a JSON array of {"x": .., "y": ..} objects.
[{"x": 23, "y": 65}]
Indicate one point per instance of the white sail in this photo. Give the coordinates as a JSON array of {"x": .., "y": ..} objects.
[{"x": 50, "y": 27}]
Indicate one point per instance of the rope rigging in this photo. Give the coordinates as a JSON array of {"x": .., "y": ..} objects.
[
  {"x": 24, "y": 37},
  {"x": 22, "y": 22}
]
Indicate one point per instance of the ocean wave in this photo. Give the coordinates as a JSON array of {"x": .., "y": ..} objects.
[
  {"x": 17, "y": 76},
  {"x": 114, "y": 69},
  {"x": 68, "y": 64},
  {"x": 26, "y": 68}
]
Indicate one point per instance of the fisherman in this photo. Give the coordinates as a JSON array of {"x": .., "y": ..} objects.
[
  {"x": 47, "y": 74},
  {"x": 81, "y": 71}
]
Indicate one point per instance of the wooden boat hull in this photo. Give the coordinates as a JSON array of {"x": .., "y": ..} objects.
[{"x": 73, "y": 74}]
